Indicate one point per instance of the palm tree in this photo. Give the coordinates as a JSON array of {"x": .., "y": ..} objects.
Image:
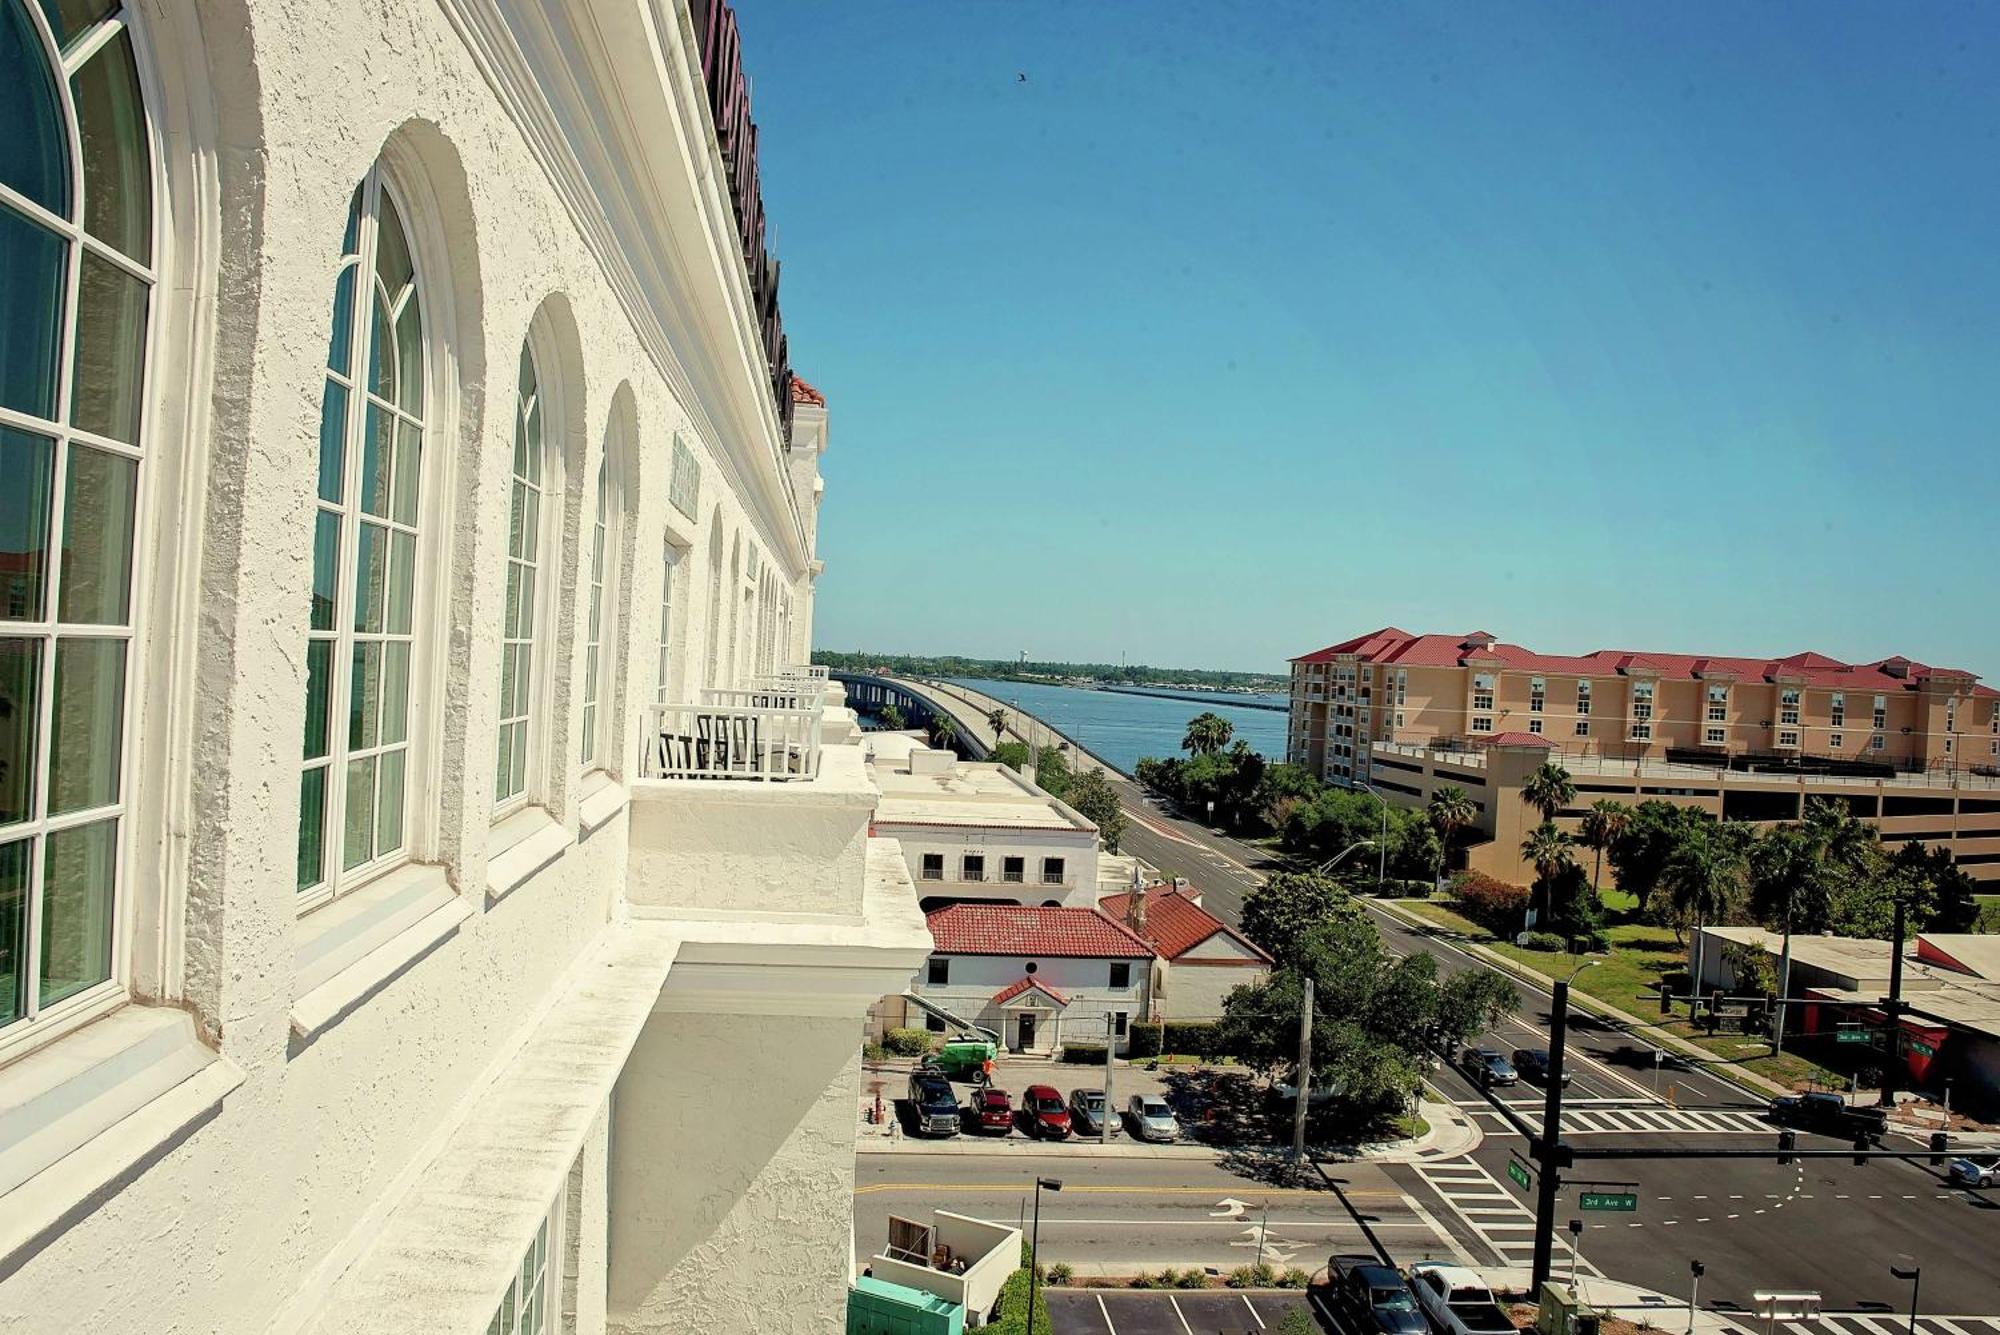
[
  {"x": 1606, "y": 820},
  {"x": 1548, "y": 851},
  {"x": 1207, "y": 732},
  {"x": 1549, "y": 789},
  {"x": 1451, "y": 811},
  {"x": 996, "y": 718},
  {"x": 892, "y": 718},
  {"x": 1703, "y": 877},
  {"x": 944, "y": 731}
]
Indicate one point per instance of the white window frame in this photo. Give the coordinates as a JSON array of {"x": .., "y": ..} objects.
[
  {"x": 1837, "y": 709},
  {"x": 1877, "y": 743},
  {"x": 1642, "y": 702},
  {"x": 540, "y": 641},
  {"x": 539, "y": 1276},
  {"x": 1061, "y": 866},
  {"x": 1583, "y": 727},
  {"x": 600, "y": 647},
  {"x": 1714, "y": 736},
  {"x": 424, "y": 693},
  {"x": 1788, "y": 707},
  {"x": 663, "y": 668},
  {"x": 1881, "y": 712},
  {"x": 1834, "y": 742},
  {"x": 1717, "y": 710},
  {"x": 1535, "y": 726},
  {"x": 1538, "y": 694},
  {"x": 1482, "y": 723},
  {"x": 1582, "y": 698},
  {"x": 38, "y": 1024},
  {"x": 1642, "y": 730},
  {"x": 1788, "y": 737}
]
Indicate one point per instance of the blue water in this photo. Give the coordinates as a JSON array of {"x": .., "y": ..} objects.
[{"x": 1121, "y": 728}]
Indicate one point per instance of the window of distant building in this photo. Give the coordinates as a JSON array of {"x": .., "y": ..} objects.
[
  {"x": 1583, "y": 697},
  {"x": 933, "y": 867},
  {"x": 1788, "y": 737},
  {"x": 1481, "y": 723},
  {"x": 1642, "y": 700},
  {"x": 1121, "y": 974},
  {"x": 1402, "y": 685},
  {"x": 1876, "y": 742},
  {"x": 1642, "y": 731},
  {"x": 1788, "y": 705},
  {"x": 1583, "y": 727},
  {"x": 1838, "y": 707},
  {"x": 1052, "y": 871},
  {"x": 973, "y": 868},
  {"x": 1834, "y": 741},
  {"x": 1537, "y": 695},
  {"x": 937, "y": 971},
  {"x": 1881, "y": 712},
  {"x": 1718, "y": 704},
  {"x": 1013, "y": 870},
  {"x": 1482, "y": 691},
  {"x": 1713, "y": 736},
  {"x": 1535, "y": 726}
]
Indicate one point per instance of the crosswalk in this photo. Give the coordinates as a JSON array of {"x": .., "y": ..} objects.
[
  {"x": 1885, "y": 1323},
  {"x": 1610, "y": 1117},
  {"x": 1497, "y": 1215}
]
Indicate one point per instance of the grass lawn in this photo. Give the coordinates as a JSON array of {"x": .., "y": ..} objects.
[
  {"x": 1433, "y": 911},
  {"x": 1411, "y": 1127}
]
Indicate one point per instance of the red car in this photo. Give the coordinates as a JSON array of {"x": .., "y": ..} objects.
[
  {"x": 994, "y": 1110},
  {"x": 1048, "y": 1115}
]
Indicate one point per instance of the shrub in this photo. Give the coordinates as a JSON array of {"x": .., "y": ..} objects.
[
  {"x": 1194, "y": 1277},
  {"x": 1083, "y": 1054},
  {"x": 1541, "y": 941},
  {"x": 1200, "y": 1037},
  {"x": 1294, "y": 1278},
  {"x": 1061, "y": 1273},
  {"x": 873, "y": 1052},
  {"x": 907, "y": 1042},
  {"x": 1493, "y": 904},
  {"x": 1239, "y": 1278},
  {"x": 1295, "y": 1322},
  {"x": 1259, "y": 1276},
  {"x": 1145, "y": 1039},
  {"x": 1011, "y": 1312},
  {"x": 1597, "y": 942},
  {"x": 1142, "y": 1280}
]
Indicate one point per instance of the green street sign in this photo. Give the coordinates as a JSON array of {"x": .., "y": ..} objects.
[
  {"x": 1518, "y": 1173},
  {"x": 1607, "y": 1200},
  {"x": 1854, "y": 1035}
]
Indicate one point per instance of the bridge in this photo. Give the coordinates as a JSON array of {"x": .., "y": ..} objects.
[{"x": 869, "y": 696}]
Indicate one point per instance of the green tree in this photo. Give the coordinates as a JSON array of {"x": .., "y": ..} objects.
[
  {"x": 1549, "y": 789},
  {"x": 1207, "y": 733},
  {"x": 1704, "y": 876},
  {"x": 892, "y": 718},
  {"x": 1469, "y": 1003},
  {"x": 944, "y": 731},
  {"x": 1602, "y": 827},
  {"x": 1014, "y": 755},
  {"x": 996, "y": 719},
  {"x": 1052, "y": 774},
  {"x": 1550, "y": 852},
  {"x": 1093, "y": 797},
  {"x": 1278, "y": 913},
  {"x": 1451, "y": 811},
  {"x": 1640, "y": 853}
]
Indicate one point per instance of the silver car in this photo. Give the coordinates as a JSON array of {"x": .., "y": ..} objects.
[
  {"x": 1151, "y": 1118},
  {"x": 1975, "y": 1170}
]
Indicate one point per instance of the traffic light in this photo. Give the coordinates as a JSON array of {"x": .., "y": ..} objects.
[
  {"x": 1787, "y": 1142},
  {"x": 1861, "y": 1150},
  {"x": 1938, "y": 1141}
]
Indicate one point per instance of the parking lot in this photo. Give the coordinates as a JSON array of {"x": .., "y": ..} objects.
[{"x": 1195, "y": 1312}]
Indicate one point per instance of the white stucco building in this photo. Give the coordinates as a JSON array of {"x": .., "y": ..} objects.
[
  {"x": 424, "y": 905},
  {"x": 1198, "y": 959},
  {"x": 977, "y": 831}
]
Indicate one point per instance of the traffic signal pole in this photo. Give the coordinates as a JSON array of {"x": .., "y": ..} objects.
[{"x": 1548, "y": 1147}]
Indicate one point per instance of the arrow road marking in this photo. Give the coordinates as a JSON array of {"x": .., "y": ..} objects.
[{"x": 1231, "y": 1208}]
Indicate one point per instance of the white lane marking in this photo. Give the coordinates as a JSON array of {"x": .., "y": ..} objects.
[
  {"x": 1107, "y": 1311},
  {"x": 1252, "y": 1306},
  {"x": 1177, "y": 1307},
  {"x": 1438, "y": 1230}
]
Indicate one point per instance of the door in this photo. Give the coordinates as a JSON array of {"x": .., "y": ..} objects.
[{"x": 1027, "y": 1031}]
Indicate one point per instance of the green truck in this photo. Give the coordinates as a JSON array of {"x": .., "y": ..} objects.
[{"x": 968, "y": 1054}]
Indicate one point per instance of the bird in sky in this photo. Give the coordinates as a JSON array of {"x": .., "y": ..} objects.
[{"x": 1020, "y": 77}]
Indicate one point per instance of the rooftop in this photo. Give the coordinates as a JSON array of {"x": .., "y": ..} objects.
[
  {"x": 1401, "y": 648},
  {"x": 1018, "y": 929},
  {"x": 1175, "y": 924},
  {"x": 1958, "y": 996},
  {"x": 967, "y": 794}
]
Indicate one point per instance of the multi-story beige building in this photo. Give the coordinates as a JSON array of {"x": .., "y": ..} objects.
[{"x": 1912, "y": 747}]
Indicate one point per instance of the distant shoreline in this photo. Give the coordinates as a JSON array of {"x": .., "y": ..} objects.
[{"x": 1084, "y": 676}]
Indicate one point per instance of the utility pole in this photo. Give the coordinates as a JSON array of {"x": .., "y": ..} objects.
[
  {"x": 1305, "y": 1075},
  {"x": 1548, "y": 1148},
  {"x": 1892, "y": 1009},
  {"x": 1110, "y": 1108},
  {"x": 1784, "y": 975}
]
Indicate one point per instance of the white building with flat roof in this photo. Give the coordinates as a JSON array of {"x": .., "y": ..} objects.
[{"x": 428, "y": 902}]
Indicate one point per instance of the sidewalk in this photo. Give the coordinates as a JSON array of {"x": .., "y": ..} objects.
[{"x": 1630, "y": 1302}]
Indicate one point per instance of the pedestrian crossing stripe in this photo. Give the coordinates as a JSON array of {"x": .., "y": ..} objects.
[
  {"x": 1885, "y": 1323},
  {"x": 1497, "y": 1217},
  {"x": 1632, "y": 1121}
]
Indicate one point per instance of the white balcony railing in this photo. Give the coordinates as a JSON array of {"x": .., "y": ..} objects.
[
  {"x": 718, "y": 741},
  {"x": 763, "y": 695}
]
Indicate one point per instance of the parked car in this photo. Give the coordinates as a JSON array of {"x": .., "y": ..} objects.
[
  {"x": 936, "y": 1105},
  {"x": 1532, "y": 1064},
  {"x": 1372, "y": 1298},
  {"x": 1975, "y": 1170},
  {"x": 994, "y": 1110},
  {"x": 1456, "y": 1300},
  {"x": 1047, "y": 1115},
  {"x": 1151, "y": 1118},
  {"x": 1488, "y": 1068},
  {"x": 1086, "y": 1111},
  {"x": 1829, "y": 1114}
]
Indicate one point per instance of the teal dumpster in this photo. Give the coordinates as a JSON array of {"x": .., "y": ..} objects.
[{"x": 877, "y": 1307}]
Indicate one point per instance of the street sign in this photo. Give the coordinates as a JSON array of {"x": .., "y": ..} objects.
[
  {"x": 1518, "y": 1173},
  {"x": 1851, "y": 1034},
  {"x": 1607, "y": 1200}
]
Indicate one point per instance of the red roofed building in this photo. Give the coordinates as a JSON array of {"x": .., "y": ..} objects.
[
  {"x": 1037, "y": 976},
  {"x": 1199, "y": 959},
  {"x": 1914, "y": 746}
]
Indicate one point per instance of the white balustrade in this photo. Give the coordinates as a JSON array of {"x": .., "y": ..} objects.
[{"x": 728, "y": 741}]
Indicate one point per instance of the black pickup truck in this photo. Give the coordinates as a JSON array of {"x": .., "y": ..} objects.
[
  {"x": 1828, "y": 1114},
  {"x": 1372, "y": 1298}
]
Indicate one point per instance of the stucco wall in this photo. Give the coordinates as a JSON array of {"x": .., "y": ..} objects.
[
  {"x": 732, "y": 1190},
  {"x": 1195, "y": 991}
]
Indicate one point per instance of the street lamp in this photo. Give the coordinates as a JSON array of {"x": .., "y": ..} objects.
[
  {"x": 1915, "y": 1274},
  {"x": 1382, "y": 854},
  {"x": 1035, "y": 1241},
  {"x": 1334, "y": 861},
  {"x": 1695, "y": 1271}
]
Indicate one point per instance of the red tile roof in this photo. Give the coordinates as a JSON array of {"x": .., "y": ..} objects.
[
  {"x": 805, "y": 393},
  {"x": 1019, "y": 929},
  {"x": 1517, "y": 739},
  {"x": 1390, "y": 646},
  {"x": 1023, "y": 984},
  {"x": 1175, "y": 924}
]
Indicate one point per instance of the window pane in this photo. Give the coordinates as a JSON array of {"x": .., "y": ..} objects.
[
  {"x": 20, "y": 707},
  {"x": 332, "y": 441},
  {"x": 364, "y": 705},
  {"x": 110, "y": 350},
  {"x": 326, "y": 568},
  {"x": 101, "y": 492},
  {"x": 402, "y": 581},
  {"x": 395, "y": 692},
  {"x": 117, "y": 180},
  {"x": 14, "y": 866},
  {"x": 359, "y": 837},
  {"x": 70, "y": 19},
  {"x": 392, "y": 251},
  {"x": 370, "y": 573},
  {"x": 509, "y": 658},
  {"x": 312, "y": 826},
  {"x": 89, "y": 722},
  {"x": 340, "y": 344},
  {"x": 77, "y": 897},
  {"x": 27, "y": 463},
  {"x": 381, "y": 352},
  {"x": 31, "y": 305},
  {"x": 409, "y": 473},
  {"x": 34, "y": 153},
  {"x": 377, "y": 446},
  {"x": 319, "y": 683},
  {"x": 517, "y": 522},
  {"x": 389, "y": 804},
  {"x": 410, "y": 357}
]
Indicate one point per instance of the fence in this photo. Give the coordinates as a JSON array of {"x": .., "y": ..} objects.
[
  {"x": 773, "y": 696},
  {"x": 715, "y": 741}
]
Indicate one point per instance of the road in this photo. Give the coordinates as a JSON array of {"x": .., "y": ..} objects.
[{"x": 1820, "y": 1225}]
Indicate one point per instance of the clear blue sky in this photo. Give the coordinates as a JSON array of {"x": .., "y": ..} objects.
[{"x": 1236, "y": 330}]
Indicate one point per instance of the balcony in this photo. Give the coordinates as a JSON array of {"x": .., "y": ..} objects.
[{"x": 735, "y": 734}]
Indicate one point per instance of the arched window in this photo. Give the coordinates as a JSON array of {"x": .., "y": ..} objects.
[
  {"x": 518, "y": 712},
  {"x": 663, "y": 678},
  {"x": 77, "y": 275},
  {"x": 599, "y": 616},
  {"x": 359, "y": 650},
  {"x": 714, "y": 631}
]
